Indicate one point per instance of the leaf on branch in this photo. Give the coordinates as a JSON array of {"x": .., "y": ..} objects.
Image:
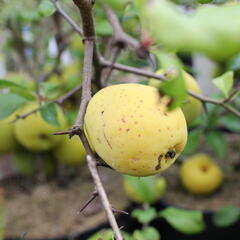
[
  {"x": 226, "y": 216},
  {"x": 194, "y": 138},
  {"x": 174, "y": 88},
  {"x": 186, "y": 221},
  {"x": 148, "y": 233},
  {"x": 9, "y": 103},
  {"x": 144, "y": 216},
  {"x": 224, "y": 82},
  {"x": 6, "y": 84},
  {"x": 49, "y": 113},
  {"x": 218, "y": 142},
  {"x": 46, "y": 8}
]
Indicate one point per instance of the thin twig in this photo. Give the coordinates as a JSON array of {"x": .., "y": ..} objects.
[
  {"x": 66, "y": 17},
  {"x": 59, "y": 101},
  {"x": 148, "y": 74}
]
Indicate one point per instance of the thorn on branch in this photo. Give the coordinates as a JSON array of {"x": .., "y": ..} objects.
[{"x": 94, "y": 195}]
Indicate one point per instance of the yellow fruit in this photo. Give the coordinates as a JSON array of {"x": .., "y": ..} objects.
[
  {"x": 131, "y": 129},
  {"x": 36, "y": 134},
  {"x": 144, "y": 190},
  {"x": 192, "y": 107},
  {"x": 8, "y": 142},
  {"x": 200, "y": 174},
  {"x": 70, "y": 151}
]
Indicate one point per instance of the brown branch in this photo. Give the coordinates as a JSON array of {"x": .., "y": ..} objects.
[
  {"x": 122, "y": 39},
  {"x": 85, "y": 8}
]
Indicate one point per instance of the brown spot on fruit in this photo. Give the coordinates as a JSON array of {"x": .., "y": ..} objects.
[
  {"x": 102, "y": 112},
  {"x": 139, "y": 135},
  {"x": 159, "y": 162},
  {"x": 123, "y": 120},
  {"x": 109, "y": 144},
  {"x": 120, "y": 129},
  {"x": 128, "y": 129},
  {"x": 99, "y": 141},
  {"x": 178, "y": 147},
  {"x": 135, "y": 158}
]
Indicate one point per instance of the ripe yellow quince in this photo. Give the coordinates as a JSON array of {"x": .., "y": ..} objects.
[
  {"x": 192, "y": 107},
  {"x": 8, "y": 142},
  {"x": 131, "y": 129},
  {"x": 70, "y": 151},
  {"x": 199, "y": 174},
  {"x": 34, "y": 133}
]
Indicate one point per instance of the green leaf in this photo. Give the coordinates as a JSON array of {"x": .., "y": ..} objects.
[
  {"x": 218, "y": 142},
  {"x": 46, "y": 8},
  {"x": 231, "y": 122},
  {"x": 224, "y": 82},
  {"x": 226, "y": 216},
  {"x": 234, "y": 63},
  {"x": 144, "y": 186},
  {"x": 193, "y": 141},
  {"x": 149, "y": 233},
  {"x": 186, "y": 221},
  {"x": 9, "y": 103},
  {"x": 144, "y": 215},
  {"x": 5, "y": 84},
  {"x": 175, "y": 88},
  {"x": 49, "y": 113}
]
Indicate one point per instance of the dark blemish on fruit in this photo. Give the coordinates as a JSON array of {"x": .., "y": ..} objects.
[
  {"x": 170, "y": 154},
  {"x": 109, "y": 144},
  {"x": 139, "y": 135},
  {"x": 159, "y": 130},
  {"x": 43, "y": 136},
  {"x": 141, "y": 101},
  {"x": 128, "y": 129},
  {"x": 178, "y": 147},
  {"x": 120, "y": 129},
  {"x": 168, "y": 128},
  {"x": 165, "y": 114},
  {"x": 123, "y": 120},
  {"x": 102, "y": 112},
  {"x": 99, "y": 141},
  {"x": 134, "y": 169},
  {"x": 159, "y": 162}
]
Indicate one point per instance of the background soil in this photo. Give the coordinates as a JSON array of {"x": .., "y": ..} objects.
[{"x": 47, "y": 210}]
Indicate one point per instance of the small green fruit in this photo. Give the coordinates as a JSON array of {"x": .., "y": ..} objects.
[
  {"x": 70, "y": 151},
  {"x": 34, "y": 133}
]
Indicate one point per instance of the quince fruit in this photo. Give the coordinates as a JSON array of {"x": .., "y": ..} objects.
[
  {"x": 8, "y": 142},
  {"x": 70, "y": 151},
  {"x": 199, "y": 174},
  {"x": 131, "y": 129},
  {"x": 192, "y": 107},
  {"x": 34, "y": 133}
]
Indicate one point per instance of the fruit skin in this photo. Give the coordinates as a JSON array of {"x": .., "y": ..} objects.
[
  {"x": 70, "y": 151},
  {"x": 8, "y": 142},
  {"x": 131, "y": 129},
  {"x": 34, "y": 133},
  {"x": 199, "y": 174},
  {"x": 133, "y": 187},
  {"x": 192, "y": 108}
]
